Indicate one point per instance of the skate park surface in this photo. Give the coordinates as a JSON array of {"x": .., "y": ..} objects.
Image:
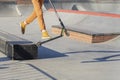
[{"x": 64, "y": 58}]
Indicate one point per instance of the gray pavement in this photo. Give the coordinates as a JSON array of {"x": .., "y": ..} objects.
[{"x": 64, "y": 58}]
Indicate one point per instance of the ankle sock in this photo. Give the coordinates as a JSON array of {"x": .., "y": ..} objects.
[
  {"x": 25, "y": 23},
  {"x": 43, "y": 30}
]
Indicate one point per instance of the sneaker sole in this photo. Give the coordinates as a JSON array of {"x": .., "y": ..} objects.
[
  {"x": 45, "y": 37},
  {"x": 22, "y": 30}
]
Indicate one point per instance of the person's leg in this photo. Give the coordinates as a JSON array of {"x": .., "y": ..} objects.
[
  {"x": 31, "y": 17},
  {"x": 38, "y": 10},
  {"x": 27, "y": 21}
]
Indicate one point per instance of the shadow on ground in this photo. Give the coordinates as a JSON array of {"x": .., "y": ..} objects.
[
  {"x": 113, "y": 57},
  {"x": 4, "y": 59},
  {"x": 43, "y": 72},
  {"x": 44, "y": 53},
  {"x": 104, "y": 59}
]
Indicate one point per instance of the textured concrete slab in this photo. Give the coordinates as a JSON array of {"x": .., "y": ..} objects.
[{"x": 21, "y": 71}]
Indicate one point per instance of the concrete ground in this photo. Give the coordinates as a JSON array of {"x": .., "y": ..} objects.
[{"x": 63, "y": 58}]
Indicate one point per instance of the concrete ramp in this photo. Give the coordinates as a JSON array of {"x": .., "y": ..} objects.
[
  {"x": 11, "y": 8},
  {"x": 106, "y": 6},
  {"x": 8, "y": 9},
  {"x": 99, "y": 6},
  {"x": 25, "y": 10}
]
